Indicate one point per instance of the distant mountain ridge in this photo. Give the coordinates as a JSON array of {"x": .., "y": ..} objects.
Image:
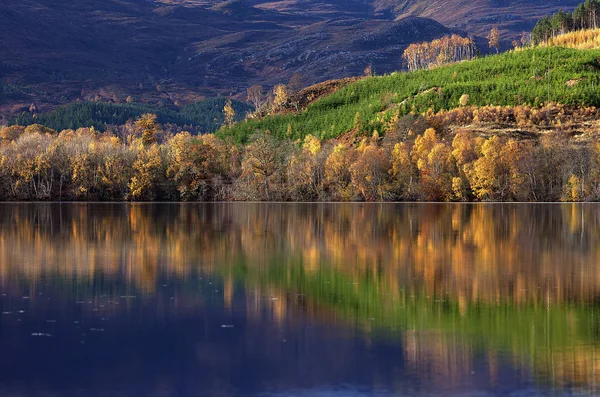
[
  {"x": 173, "y": 52},
  {"x": 474, "y": 16},
  {"x": 512, "y": 16}
]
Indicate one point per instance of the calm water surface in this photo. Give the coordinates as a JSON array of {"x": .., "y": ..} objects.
[{"x": 299, "y": 300}]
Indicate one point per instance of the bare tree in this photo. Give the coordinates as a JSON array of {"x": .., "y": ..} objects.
[
  {"x": 256, "y": 96},
  {"x": 296, "y": 84}
]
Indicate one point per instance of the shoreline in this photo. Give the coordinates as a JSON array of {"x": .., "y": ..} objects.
[{"x": 309, "y": 202}]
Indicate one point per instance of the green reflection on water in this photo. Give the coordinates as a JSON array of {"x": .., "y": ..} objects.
[{"x": 514, "y": 281}]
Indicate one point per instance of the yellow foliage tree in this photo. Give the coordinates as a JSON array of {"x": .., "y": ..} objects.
[
  {"x": 229, "y": 113},
  {"x": 434, "y": 162},
  {"x": 574, "y": 189},
  {"x": 496, "y": 174},
  {"x": 494, "y": 38},
  {"x": 281, "y": 95},
  {"x": 149, "y": 171},
  {"x": 305, "y": 174},
  {"x": 337, "y": 174},
  {"x": 311, "y": 144},
  {"x": 148, "y": 127},
  {"x": 402, "y": 171},
  {"x": 195, "y": 163}
]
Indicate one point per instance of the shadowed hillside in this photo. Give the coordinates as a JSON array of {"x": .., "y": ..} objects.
[
  {"x": 477, "y": 17},
  {"x": 173, "y": 52},
  {"x": 55, "y": 52}
]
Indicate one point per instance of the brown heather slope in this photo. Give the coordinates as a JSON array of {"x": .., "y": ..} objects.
[
  {"x": 477, "y": 17},
  {"x": 511, "y": 16},
  {"x": 173, "y": 52},
  {"x": 57, "y": 51}
]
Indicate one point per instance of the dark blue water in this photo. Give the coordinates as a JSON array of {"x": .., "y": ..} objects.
[{"x": 252, "y": 300}]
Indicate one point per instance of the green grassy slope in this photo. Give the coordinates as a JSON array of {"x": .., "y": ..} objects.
[{"x": 533, "y": 77}]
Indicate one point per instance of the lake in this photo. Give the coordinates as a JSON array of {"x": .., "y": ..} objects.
[{"x": 243, "y": 299}]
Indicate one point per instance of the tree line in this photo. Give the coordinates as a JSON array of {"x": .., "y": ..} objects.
[
  {"x": 447, "y": 49},
  {"x": 585, "y": 16},
  {"x": 147, "y": 163},
  {"x": 202, "y": 116}
]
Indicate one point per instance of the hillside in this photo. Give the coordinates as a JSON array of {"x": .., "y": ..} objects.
[
  {"x": 531, "y": 77},
  {"x": 58, "y": 51},
  {"x": 477, "y": 17},
  {"x": 512, "y": 16},
  {"x": 519, "y": 126},
  {"x": 173, "y": 52}
]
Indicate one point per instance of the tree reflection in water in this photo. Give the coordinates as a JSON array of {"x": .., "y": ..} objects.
[{"x": 428, "y": 295}]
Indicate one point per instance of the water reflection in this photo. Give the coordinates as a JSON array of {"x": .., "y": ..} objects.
[{"x": 349, "y": 299}]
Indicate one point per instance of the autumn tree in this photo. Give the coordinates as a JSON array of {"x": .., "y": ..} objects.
[
  {"x": 228, "y": 113},
  {"x": 39, "y": 129},
  {"x": 465, "y": 150},
  {"x": 515, "y": 155},
  {"x": 9, "y": 134},
  {"x": 369, "y": 172},
  {"x": 294, "y": 87},
  {"x": 185, "y": 167},
  {"x": 262, "y": 168},
  {"x": 546, "y": 166},
  {"x": 337, "y": 172},
  {"x": 305, "y": 174},
  {"x": 281, "y": 95},
  {"x": 439, "y": 52},
  {"x": 434, "y": 162},
  {"x": 195, "y": 164},
  {"x": 498, "y": 174},
  {"x": 487, "y": 177},
  {"x": 149, "y": 174},
  {"x": 60, "y": 155},
  {"x": 402, "y": 171},
  {"x": 574, "y": 189},
  {"x": 85, "y": 177},
  {"x": 28, "y": 162},
  {"x": 494, "y": 39},
  {"x": 73, "y": 145},
  {"x": 465, "y": 147},
  {"x": 148, "y": 127},
  {"x": 114, "y": 167}
]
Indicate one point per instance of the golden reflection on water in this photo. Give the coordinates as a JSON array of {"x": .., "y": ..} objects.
[
  {"x": 428, "y": 270},
  {"x": 490, "y": 253}
]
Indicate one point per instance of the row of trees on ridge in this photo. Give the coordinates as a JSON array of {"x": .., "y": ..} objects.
[
  {"x": 585, "y": 16},
  {"x": 439, "y": 52}
]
